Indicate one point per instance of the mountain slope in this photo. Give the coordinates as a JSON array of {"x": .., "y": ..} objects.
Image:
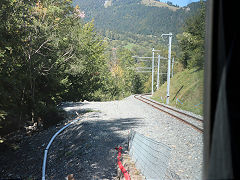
[
  {"x": 159, "y": 4},
  {"x": 146, "y": 17}
]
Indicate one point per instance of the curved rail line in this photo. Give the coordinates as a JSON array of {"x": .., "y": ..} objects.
[
  {"x": 157, "y": 106},
  {"x": 180, "y": 112}
]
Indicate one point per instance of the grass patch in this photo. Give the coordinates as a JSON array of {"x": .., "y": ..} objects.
[{"x": 186, "y": 91}]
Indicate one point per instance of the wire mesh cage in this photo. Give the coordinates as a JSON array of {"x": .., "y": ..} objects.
[{"x": 150, "y": 157}]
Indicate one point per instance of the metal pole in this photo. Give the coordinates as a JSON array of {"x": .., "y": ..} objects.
[
  {"x": 158, "y": 72},
  {"x": 152, "y": 69},
  {"x": 169, "y": 67},
  {"x": 172, "y": 65}
]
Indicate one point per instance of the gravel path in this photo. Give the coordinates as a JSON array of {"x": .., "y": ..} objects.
[
  {"x": 86, "y": 149},
  {"x": 109, "y": 124}
]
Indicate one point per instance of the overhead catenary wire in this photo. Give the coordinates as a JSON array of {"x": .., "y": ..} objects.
[
  {"x": 143, "y": 68},
  {"x": 143, "y": 71},
  {"x": 144, "y": 57},
  {"x": 139, "y": 59}
]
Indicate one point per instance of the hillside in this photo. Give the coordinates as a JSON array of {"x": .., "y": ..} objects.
[
  {"x": 159, "y": 4},
  {"x": 186, "y": 91},
  {"x": 146, "y": 17}
]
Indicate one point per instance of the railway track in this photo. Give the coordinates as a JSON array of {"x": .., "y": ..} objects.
[{"x": 187, "y": 119}]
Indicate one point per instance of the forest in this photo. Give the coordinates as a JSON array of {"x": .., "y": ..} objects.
[
  {"x": 50, "y": 54},
  {"x": 132, "y": 16}
]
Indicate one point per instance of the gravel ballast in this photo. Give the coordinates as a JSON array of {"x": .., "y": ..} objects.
[{"x": 86, "y": 149}]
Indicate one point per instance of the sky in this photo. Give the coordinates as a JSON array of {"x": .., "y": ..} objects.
[{"x": 182, "y": 2}]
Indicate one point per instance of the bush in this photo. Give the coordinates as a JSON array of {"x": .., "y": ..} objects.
[{"x": 50, "y": 115}]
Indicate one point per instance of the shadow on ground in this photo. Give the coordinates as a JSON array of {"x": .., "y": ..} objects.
[{"x": 87, "y": 149}]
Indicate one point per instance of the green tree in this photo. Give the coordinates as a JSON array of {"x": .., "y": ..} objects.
[
  {"x": 191, "y": 40},
  {"x": 13, "y": 63},
  {"x": 47, "y": 55},
  {"x": 85, "y": 73}
]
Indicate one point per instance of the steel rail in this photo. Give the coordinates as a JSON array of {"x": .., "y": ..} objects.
[
  {"x": 185, "y": 114},
  {"x": 176, "y": 117}
]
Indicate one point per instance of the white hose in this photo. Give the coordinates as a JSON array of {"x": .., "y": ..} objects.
[{"x": 48, "y": 146}]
